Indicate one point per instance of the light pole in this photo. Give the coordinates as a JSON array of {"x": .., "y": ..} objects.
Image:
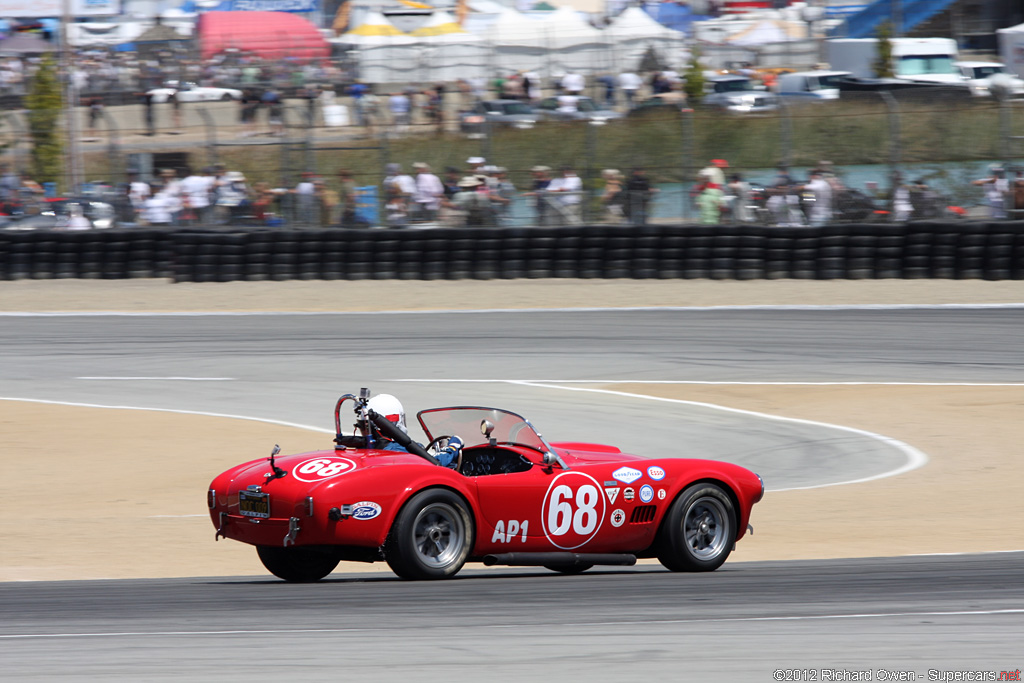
[{"x": 74, "y": 160}]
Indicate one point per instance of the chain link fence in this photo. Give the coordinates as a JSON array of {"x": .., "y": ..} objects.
[{"x": 929, "y": 143}]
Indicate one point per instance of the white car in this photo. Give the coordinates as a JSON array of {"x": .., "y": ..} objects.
[
  {"x": 190, "y": 92},
  {"x": 982, "y": 76}
]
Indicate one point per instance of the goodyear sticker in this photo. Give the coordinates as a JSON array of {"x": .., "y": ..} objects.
[{"x": 627, "y": 475}]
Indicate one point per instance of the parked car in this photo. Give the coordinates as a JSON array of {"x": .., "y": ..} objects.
[
  {"x": 586, "y": 110},
  {"x": 811, "y": 85},
  {"x": 735, "y": 93},
  {"x": 190, "y": 92},
  {"x": 669, "y": 102},
  {"x": 982, "y": 76},
  {"x": 495, "y": 113},
  {"x": 55, "y": 213},
  {"x": 511, "y": 498}
]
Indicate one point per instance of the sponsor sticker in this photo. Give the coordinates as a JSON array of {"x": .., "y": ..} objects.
[
  {"x": 646, "y": 493},
  {"x": 655, "y": 473},
  {"x": 618, "y": 517},
  {"x": 661, "y": 494},
  {"x": 611, "y": 483},
  {"x": 627, "y": 475},
  {"x": 364, "y": 510},
  {"x": 628, "y": 493}
]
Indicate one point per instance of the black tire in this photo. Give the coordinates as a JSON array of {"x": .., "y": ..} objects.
[
  {"x": 298, "y": 565},
  {"x": 431, "y": 537},
  {"x": 574, "y": 569},
  {"x": 226, "y": 97},
  {"x": 699, "y": 530}
]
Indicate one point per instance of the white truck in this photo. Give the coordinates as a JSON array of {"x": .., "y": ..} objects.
[
  {"x": 811, "y": 85},
  {"x": 920, "y": 60}
]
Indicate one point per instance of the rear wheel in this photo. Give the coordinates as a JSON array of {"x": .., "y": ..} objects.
[
  {"x": 298, "y": 565},
  {"x": 431, "y": 537},
  {"x": 699, "y": 530}
]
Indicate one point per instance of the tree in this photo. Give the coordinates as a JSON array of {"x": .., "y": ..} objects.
[
  {"x": 883, "y": 62},
  {"x": 43, "y": 102},
  {"x": 694, "y": 86}
]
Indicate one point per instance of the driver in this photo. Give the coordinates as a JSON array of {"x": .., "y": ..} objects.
[{"x": 391, "y": 408}]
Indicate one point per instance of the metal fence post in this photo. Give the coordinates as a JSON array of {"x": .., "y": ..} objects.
[
  {"x": 894, "y": 138},
  {"x": 211, "y": 134},
  {"x": 588, "y": 171},
  {"x": 115, "y": 163},
  {"x": 689, "y": 169},
  {"x": 785, "y": 132}
]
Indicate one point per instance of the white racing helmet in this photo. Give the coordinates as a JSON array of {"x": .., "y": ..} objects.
[{"x": 390, "y": 407}]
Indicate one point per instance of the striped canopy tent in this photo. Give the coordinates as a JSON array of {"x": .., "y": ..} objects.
[
  {"x": 442, "y": 28},
  {"x": 375, "y": 30}
]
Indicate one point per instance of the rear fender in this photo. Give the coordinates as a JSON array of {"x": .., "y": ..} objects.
[{"x": 461, "y": 488}]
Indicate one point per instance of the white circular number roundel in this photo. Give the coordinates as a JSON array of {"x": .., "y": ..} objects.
[
  {"x": 573, "y": 510},
  {"x": 317, "y": 469}
]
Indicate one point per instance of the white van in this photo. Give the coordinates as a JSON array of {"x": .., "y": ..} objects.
[
  {"x": 811, "y": 85},
  {"x": 981, "y": 76}
]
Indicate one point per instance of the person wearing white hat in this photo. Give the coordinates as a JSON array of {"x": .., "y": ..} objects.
[
  {"x": 392, "y": 410},
  {"x": 476, "y": 205}
]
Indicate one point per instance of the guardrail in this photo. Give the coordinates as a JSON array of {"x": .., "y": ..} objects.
[{"x": 945, "y": 250}]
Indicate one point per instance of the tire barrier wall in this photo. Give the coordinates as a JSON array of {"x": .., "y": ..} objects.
[{"x": 946, "y": 250}]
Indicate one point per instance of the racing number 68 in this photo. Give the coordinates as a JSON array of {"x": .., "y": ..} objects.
[
  {"x": 573, "y": 510},
  {"x": 561, "y": 515}
]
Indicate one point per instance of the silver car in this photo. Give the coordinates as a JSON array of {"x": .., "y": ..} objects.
[
  {"x": 736, "y": 93},
  {"x": 496, "y": 113}
]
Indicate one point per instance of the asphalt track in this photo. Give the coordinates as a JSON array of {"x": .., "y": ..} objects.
[{"x": 742, "y": 622}]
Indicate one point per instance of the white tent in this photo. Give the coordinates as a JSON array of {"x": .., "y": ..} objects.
[
  {"x": 768, "y": 31},
  {"x": 1011, "y": 48},
  {"x": 375, "y": 30},
  {"x": 565, "y": 28},
  {"x": 442, "y": 28},
  {"x": 514, "y": 29},
  {"x": 631, "y": 34},
  {"x": 635, "y": 23}
]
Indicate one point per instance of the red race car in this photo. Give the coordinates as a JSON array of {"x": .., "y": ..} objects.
[{"x": 510, "y": 498}]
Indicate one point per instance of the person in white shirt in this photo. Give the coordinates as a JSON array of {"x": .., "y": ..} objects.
[
  {"x": 569, "y": 190},
  {"x": 196, "y": 189},
  {"x": 404, "y": 182},
  {"x": 305, "y": 195},
  {"x": 573, "y": 83},
  {"x": 629, "y": 84},
  {"x": 428, "y": 193},
  {"x": 138, "y": 192},
  {"x": 821, "y": 210},
  {"x": 158, "y": 209}
]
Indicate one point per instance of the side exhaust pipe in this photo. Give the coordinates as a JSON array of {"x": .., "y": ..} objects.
[{"x": 565, "y": 559}]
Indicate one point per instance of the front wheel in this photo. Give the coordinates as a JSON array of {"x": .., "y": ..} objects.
[
  {"x": 699, "y": 530},
  {"x": 298, "y": 565},
  {"x": 431, "y": 537}
]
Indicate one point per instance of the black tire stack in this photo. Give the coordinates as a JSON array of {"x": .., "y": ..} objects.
[{"x": 924, "y": 249}]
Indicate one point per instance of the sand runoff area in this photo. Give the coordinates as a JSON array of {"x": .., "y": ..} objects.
[{"x": 143, "y": 512}]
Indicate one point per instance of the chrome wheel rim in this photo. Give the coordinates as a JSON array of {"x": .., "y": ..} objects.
[
  {"x": 705, "y": 528},
  {"x": 438, "y": 534}
]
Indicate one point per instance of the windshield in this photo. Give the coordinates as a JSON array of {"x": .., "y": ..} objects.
[
  {"x": 464, "y": 422},
  {"x": 733, "y": 86},
  {"x": 516, "y": 108},
  {"x": 920, "y": 65},
  {"x": 586, "y": 105},
  {"x": 986, "y": 71},
  {"x": 826, "y": 82}
]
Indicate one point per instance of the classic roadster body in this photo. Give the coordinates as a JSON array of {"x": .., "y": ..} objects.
[{"x": 511, "y": 498}]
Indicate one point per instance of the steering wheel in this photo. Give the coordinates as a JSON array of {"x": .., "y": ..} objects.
[{"x": 438, "y": 444}]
